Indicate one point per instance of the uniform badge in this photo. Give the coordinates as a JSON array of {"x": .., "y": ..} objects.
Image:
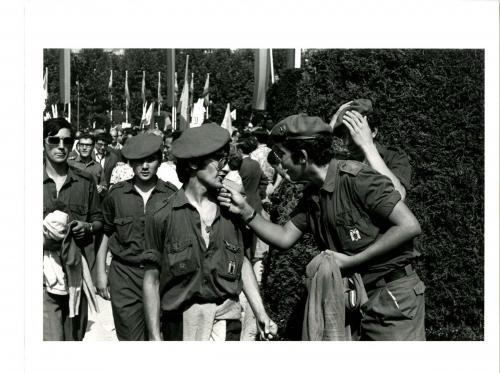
[
  {"x": 355, "y": 236},
  {"x": 231, "y": 267}
]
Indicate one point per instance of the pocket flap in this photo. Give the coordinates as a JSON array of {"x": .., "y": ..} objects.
[
  {"x": 232, "y": 247},
  {"x": 419, "y": 288},
  {"x": 123, "y": 221},
  {"x": 178, "y": 246}
]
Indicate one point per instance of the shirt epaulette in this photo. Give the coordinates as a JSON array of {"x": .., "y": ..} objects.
[
  {"x": 169, "y": 185},
  {"x": 82, "y": 173},
  {"x": 350, "y": 167}
]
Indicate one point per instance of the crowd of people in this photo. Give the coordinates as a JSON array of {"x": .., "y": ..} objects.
[{"x": 172, "y": 228}]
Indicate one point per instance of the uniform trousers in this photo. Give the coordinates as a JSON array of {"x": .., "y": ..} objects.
[{"x": 125, "y": 285}]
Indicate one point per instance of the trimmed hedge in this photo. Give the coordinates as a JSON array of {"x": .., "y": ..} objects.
[{"x": 431, "y": 104}]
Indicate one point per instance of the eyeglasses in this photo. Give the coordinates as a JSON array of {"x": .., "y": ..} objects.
[
  {"x": 277, "y": 153},
  {"x": 222, "y": 163},
  {"x": 56, "y": 140},
  {"x": 85, "y": 145}
]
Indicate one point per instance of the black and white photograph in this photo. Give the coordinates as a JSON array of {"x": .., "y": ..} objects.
[{"x": 322, "y": 189}]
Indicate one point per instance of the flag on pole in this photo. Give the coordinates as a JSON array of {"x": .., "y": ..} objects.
[
  {"x": 198, "y": 114},
  {"x": 65, "y": 80},
  {"x": 160, "y": 99},
  {"x": 143, "y": 87},
  {"x": 110, "y": 85},
  {"x": 191, "y": 91},
  {"x": 46, "y": 84},
  {"x": 127, "y": 93},
  {"x": 144, "y": 110},
  {"x": 227, "y": 122},
  {"x": 261, "y": 78},
  {"x": 127, "y": 96},
  {"x": 205, "y": 94},
  {"x": 184, "y": 101},
  {"x": 149, "y": 114}
]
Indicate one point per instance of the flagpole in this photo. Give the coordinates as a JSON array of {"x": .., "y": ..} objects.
[
  {"x": 77, "y": 106},
  {"x": 111, "y": 96},
  {"x": 126, "y": 98},
  {"x": 271, "y": 65},
  {"x": 159, "y": 89}
]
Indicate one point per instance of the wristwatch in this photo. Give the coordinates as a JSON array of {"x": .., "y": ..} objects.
[
  {"x": 251, "y": 217},
  {"x": 90, "y": 228}
]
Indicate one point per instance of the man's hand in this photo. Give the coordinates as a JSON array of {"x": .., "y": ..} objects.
[
  {"x": 345, "y": 262},
  {"x": 358, "y": 128},
  {"x": 101, "y": 189},
  {"x": 234, "y": 201},
  {"x": 336, "y": 115},
  {"x": 267, "y": 327},
  {"x": 80, "y": 229},
  {"x": 102, "y": 285}
]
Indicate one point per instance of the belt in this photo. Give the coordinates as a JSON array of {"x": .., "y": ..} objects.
[{"x": 390, "y": 277}]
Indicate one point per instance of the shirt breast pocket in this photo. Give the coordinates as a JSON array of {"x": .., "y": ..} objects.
[
  {"x": 78, "y": 212},
  {"x": 355, "y": 230},
  {"x": 123, "y": 228},
  {"x": 231, "y": 261},
  {"x": 181, "y": 257}
]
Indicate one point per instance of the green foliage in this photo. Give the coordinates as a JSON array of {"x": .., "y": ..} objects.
[{"x": 430, "y": 103}]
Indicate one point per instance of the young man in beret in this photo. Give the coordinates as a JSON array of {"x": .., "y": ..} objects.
[
  {"x": 356, "y": 213},
  {"x": 72, "y": 193},
  {"x": 350, "y": 124},
  {"x": 125, "y": 209},
  {"x": 195, "y": 263}
]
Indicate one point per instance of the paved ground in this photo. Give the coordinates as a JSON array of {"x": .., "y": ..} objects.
[{"x": 101, "y": 326}]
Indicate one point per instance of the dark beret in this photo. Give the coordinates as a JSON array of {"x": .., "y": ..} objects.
[
  {"x": 199, "y": 141},
  {"x": 300, "y": 126},
  {"x": 362, "y": 106},
  {"x": 141, "y": 146}
]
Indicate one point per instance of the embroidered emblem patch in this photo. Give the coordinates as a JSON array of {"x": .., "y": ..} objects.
[
  {"x": 355, "y": 236},
  {"x": 231, "y": 267}
]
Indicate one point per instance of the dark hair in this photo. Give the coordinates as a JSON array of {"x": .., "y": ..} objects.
[
  {"x": 248, "y": 144},
  {"x": 87, "y": 135},
  {"x": 106, "y": 137},
  {"x": 52, "y": 126},
  {"x": 234, "y": 160},
  {"x": 319, "y": 149},
  {"x": 261, "y": 135},
  {"x": 183, "y": 166}
]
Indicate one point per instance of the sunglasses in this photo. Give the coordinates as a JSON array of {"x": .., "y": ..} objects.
[
  {"x": 56, "y": 140},
  {"x": 222, "y": 163}
]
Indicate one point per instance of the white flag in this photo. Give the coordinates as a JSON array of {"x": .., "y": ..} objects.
[
  {"x": 226, "y": 122},
  {"x": 198, "y": 113}
]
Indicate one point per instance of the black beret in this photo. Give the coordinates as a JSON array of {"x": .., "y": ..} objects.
[
  {"x": 362, "y": 106},
  {"x": 199, "y": 141},
  {"x": 141, "y": 146},
  {"x": 300, "y": 126}
]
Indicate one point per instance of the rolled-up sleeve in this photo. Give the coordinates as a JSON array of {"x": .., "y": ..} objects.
[
  {"x": 401, "y": 168},
  {"x": 376, "y": 192},
  {"x": 95, "y": 212},
  {"x": 108, "y": 211},
  {"x": 299, "y": 216}
]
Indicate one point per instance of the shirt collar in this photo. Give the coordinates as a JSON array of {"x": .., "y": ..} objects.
[
  {"x": 70, "y": 176},
  {"x": 180, "y": 199},
  {"x": 129, "y": 186},
  {"x": 79, "y": 159},
  {"x": 329, "y": 183}
]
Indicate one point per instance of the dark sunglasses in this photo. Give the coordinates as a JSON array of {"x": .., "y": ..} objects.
[
  {"x": 56, "y": 140},
  {"x": 222, "y": 163}
]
